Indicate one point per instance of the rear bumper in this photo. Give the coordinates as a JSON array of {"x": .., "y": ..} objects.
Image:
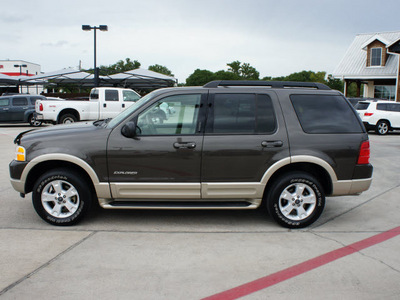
[
  {"x": 351, "y": 187},
  {"x": 40, "y": 117}
]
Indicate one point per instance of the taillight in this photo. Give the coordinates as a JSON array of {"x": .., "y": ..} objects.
[
  {"x": 368, "y": 114},
  {"x": 363, "y": 156},
  {"x": 40, "y": 107}
]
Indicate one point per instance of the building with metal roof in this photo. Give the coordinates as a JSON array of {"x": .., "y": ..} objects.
[{"x": 372, "y": 60}]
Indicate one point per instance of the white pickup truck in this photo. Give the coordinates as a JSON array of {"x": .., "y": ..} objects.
[{"x": 104, "y": 102}]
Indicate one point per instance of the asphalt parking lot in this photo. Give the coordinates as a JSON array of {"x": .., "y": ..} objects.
[{"x": 351, "y": 252}]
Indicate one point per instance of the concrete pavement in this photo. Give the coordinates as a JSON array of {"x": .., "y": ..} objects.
[{"x": 197, "y": 254}]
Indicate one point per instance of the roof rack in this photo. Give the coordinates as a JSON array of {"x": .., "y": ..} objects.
[{"x": 272, "y": 84}]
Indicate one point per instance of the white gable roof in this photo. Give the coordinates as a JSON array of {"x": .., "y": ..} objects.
[
  {"x": 374, "y": 38},
  {"x": 354, "y": 62}
]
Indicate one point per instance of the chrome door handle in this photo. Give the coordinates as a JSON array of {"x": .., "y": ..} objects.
[{"x": 188, "y": 145}]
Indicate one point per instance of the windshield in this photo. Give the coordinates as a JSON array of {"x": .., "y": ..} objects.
[{"x": 116, "y": 120}]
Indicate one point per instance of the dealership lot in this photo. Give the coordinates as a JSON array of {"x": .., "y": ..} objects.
[{"x": 197, "y": 254}]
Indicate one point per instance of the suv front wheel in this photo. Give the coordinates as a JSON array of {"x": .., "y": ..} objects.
[
  {"x": 296, "y": 200},
  {"x": 61, "y": 197}
]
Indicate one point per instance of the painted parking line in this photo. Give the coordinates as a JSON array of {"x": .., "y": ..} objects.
[{"x": 270, "y": 280}]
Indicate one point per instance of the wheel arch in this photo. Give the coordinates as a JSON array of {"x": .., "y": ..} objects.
[
  {"x": 384, "y": 120},
  {"x": 316, "y": 167},
  {"x": 71, "y": 111},
  {"x": 47, "y": 162}
]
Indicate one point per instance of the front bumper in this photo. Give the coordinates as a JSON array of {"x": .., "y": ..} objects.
[{"x": 16, "y": 169}]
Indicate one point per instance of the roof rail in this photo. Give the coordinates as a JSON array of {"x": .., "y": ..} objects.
[{"x": 272, "y": 84}]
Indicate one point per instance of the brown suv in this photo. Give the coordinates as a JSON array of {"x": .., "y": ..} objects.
[{"x": 226, "y": 145}]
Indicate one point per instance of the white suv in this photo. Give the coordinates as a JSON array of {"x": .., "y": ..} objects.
[{"x": 381, "y": 116}]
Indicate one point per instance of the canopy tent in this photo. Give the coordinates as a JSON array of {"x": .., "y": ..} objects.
[
  {"x": 136, "y": 79},
  {"x": 65, "y": 76},
  {"x": 6, "y": 80},
  {"x": 139, "y": 79}
]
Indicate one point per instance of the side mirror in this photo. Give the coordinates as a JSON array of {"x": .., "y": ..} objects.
[{"x": 129, "y": 130}]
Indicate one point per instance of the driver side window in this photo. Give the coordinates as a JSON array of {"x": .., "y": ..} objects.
[{"x": 174, "y": 115}]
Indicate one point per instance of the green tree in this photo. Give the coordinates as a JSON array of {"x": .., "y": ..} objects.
[
  {"x": 234, "y": 67},
  {"x": 200, "y": 77},
  {"x": 161, "y": 69},
  {"x": 310, "y": 76},
  {"x": 119, "y": 67},
  {"x": 248, "y": 72},
  {"x": 335, "y": 84},
  {"x": 225, "y": 75},
  {"x": 243, "y": 70}
]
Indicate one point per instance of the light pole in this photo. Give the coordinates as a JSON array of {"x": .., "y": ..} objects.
[
  {"x": 20, "y": 73},
  {"x": 88, "y": 28}
]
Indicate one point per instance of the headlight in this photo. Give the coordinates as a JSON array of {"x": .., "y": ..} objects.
[{"x": 20, "y": 153}]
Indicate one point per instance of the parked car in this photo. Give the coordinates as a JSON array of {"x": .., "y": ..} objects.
[
  {"x": 19, "y": 108},
  {"x": 227, "y": 145},
  {"x": 381, "y": 116},
  {"x": 104, "y": 102}
]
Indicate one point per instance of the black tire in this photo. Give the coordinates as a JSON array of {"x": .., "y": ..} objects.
[
  {"x": 33, "y": 122},
  {"x": 382, "y": 127},
  {"x": 61, "y": 197},
  {"x": 67, "y": 119},
  {"x": 295, "y": 200}
]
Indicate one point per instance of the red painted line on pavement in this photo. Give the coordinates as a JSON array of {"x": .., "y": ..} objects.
[{"x": 270, "y": 280}]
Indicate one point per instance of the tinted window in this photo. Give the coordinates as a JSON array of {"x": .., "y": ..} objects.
[
  {"x": 33, "y": 100},
  {"x": 325, "y": 114},
  {"x": 241, "y": 114},
  {"x": 266, "y": 122},
  {"x": 382, "y": 106},
  {"x": 4, "y": 102},
  {"x": 111, "y": 95},
  {"x": 20, "y": 101},
  {"x": 362, "y": 105},
  {"x": 395, "y": 107}
]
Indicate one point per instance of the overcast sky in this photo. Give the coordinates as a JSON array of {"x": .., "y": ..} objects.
[{"x": 276, "y": 37}]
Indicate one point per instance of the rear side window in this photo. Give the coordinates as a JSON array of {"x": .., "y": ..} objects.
[
  {"x": 111, "y": 95},
  {"x": 362, "y": 105},
  {"x": 382, "y": 106},
  {"x": 325, "y": 114},
  {"x": 241, "y": 114},
  {"x": 33, "y": 100},
  {"x": 20, "y": 101}
]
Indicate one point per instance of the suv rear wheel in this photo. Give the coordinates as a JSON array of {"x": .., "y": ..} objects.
[
  {"x": 382, "y": 127},
  {"x": 33, "y": 122},
  {"x": 296, "y": 200},
  {"x": 61, "y": 197}
]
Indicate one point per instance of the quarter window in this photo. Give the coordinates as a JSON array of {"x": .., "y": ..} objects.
[
  {"x": 174, "y": 115},
  {"x": 325, "y": 114},
  {"x": 376, "y": 56}
]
